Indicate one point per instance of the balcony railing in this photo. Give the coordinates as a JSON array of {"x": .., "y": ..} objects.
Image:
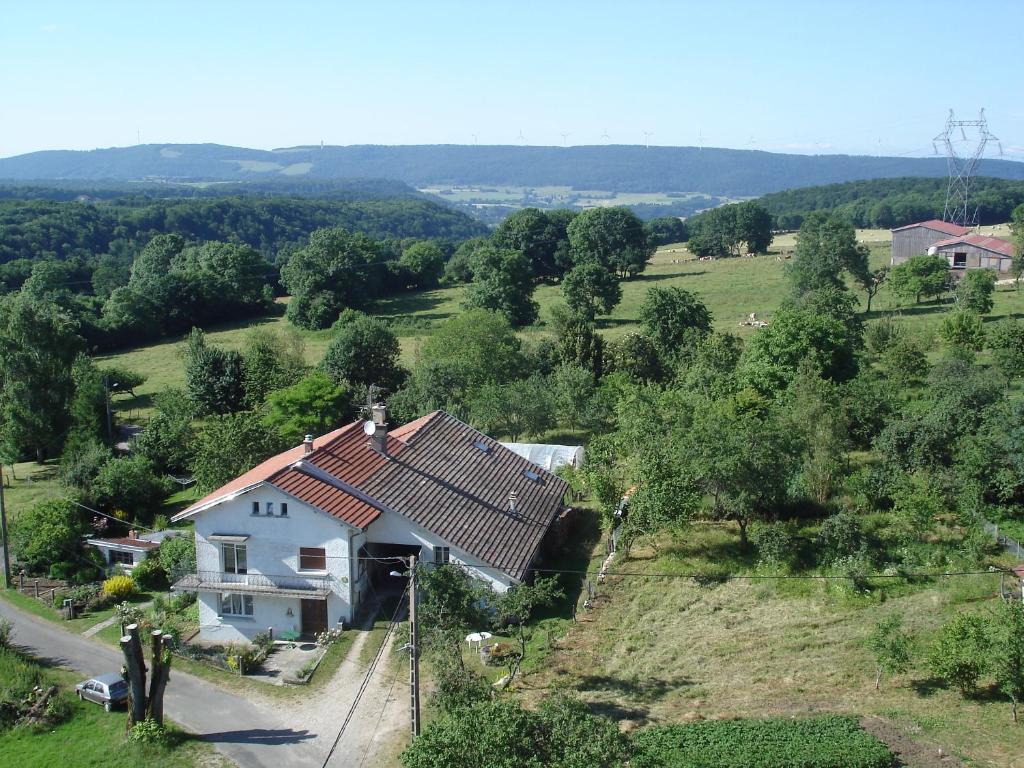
[{"x": 294, "y": 585}]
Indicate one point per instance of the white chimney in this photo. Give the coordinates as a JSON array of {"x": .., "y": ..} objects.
[
  {"x": 307, "y": 444},
  {"x": 512, "y": 495}
]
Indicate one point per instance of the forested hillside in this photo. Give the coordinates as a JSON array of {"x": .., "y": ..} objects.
[
  {"x": 886, "y": 203},
  {"x": 730, "y": 172}
]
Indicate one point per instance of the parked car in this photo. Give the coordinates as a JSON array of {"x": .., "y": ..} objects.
[{"x": 108, "y": 690}]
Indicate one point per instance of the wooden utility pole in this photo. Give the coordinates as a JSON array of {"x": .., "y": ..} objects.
[
  {"x": 3, "y": 533},
  {"x": 414, "y": 652}
]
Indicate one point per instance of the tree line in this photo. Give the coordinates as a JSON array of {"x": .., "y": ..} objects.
[{"x": 889, "y": 203}]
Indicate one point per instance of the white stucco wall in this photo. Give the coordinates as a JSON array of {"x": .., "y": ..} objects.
[
  {"x": 391, "y": 528},
  {"x": 272, "y": 549}
]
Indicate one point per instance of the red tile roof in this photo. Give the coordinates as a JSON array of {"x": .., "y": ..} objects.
[
  {"x": 262, "y": 472},
  {"x": 439, "y": 473},
  {"x": 940, "y": 226},
  {"x": 994, "y": 244}
]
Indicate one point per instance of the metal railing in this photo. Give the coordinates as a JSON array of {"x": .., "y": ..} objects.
[{"x": 264, "y": 582}]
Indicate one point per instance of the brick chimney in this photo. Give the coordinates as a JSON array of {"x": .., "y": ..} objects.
[
  {"x": 133, "y": 534},
  {"x": 307, "y": 445}
]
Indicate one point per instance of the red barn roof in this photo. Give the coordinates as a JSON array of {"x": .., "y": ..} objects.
[{"x": 940, "y": 226}]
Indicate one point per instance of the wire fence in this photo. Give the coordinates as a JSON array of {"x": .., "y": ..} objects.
[{"x": 1011, "y": 546}]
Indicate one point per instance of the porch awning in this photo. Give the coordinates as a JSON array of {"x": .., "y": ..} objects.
[{"x": 234, "y": 538}]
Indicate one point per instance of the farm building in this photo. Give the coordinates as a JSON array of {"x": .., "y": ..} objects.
[
  {"x": 915, "y": 239},
  {"x": 132, "y": 549},
  {"x": 975, "y": 252}
]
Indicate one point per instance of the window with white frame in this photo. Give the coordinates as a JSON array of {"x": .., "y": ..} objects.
[
  {"x": 441, "y": 555},
  {"x": 236, "y": 605},
  {"x": 270, "y": 508},
  {"x": 235, "y": 560}
]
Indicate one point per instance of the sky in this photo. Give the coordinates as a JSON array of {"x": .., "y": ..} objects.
[{"x": 827, "y": 76}]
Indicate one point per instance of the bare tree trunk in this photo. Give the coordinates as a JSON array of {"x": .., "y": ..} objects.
[
  {"x": 878, "y": 677},
  {"x": 161, "y": 658},
  {"x": 135, "y": 672}
]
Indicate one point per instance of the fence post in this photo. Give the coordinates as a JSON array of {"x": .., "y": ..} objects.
[{"x": 37, "y": 589}]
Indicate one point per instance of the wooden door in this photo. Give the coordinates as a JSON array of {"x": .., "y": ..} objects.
[{"x": 314, "y": 617}]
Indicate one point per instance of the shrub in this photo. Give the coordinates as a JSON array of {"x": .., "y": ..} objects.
[
  {"x": 149, "y": 574},
  {"x": 840, "y": 536},
  {"x": 6, "y": 631},
  {"x": 959, "y": 655},
  {"x": 119, "y": 587},
  {"x": 774, "y": 542},
  {"x": 178, "y": 556},
  {"x": 47, "y": 533},
  {"x": 329, "y": 637},
  {"x": 830, "y": 741},
  {"x": 149, "y": 731}
]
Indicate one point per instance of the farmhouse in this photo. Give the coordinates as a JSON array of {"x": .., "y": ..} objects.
[
  {"x": 975, "y": 252},
  {"x": 298, "y": 543},
  {"x": 915, "y": 239}
]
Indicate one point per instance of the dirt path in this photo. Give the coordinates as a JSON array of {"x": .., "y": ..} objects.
[
  {"x": 912, "y": 752},
  {"x": 380, "y": 719}
]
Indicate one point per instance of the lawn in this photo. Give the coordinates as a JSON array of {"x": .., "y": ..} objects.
[
  {"x": 92, "y": 737},
  {"x": 28, "y": 484},
  {"x": 77, "y": 625},
  {"x": 665, "y": 650}
]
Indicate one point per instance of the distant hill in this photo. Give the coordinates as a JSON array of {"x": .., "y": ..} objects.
[{"x": 727, "y": 172}]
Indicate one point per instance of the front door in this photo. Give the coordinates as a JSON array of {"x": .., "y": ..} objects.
[{"x": 314, "y": 617}]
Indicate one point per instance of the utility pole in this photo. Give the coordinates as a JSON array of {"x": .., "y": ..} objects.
[
  {"x": 414, "y": 652},
  {"x": 3, "y": 533}
]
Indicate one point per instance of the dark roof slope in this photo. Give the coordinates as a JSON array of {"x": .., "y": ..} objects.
[{"x": 455, "y": 481}]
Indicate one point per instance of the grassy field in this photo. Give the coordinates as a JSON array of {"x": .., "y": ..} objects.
[
  {"x": 662, "y": 650},
  {"x": 731, "y": 288},
  {"x": 92, "y": 737},
  {"x": 28, "y": 484}
]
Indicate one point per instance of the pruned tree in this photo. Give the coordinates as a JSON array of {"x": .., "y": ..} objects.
[{"x": 142, "y": 704}]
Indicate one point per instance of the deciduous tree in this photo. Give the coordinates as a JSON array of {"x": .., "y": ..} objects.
[
  {"x": 590, "y": 289},
  {"x": 502, "y": 282}
]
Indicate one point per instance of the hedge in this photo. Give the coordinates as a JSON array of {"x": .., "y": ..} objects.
[{"x": 830, "y": 741}]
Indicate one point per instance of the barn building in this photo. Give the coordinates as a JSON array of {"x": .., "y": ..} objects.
[
  {"x": 915, "y": 239},
  {"x": 975, "y": 252}
]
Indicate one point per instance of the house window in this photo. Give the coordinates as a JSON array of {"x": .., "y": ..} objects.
[
  {"x": 125, "y": 558},
  {"x": 284, "y": 509},
  {"x": 255, "y": 507},
  {"x": 270, "y": 508},
  {"x": 959, "y": 259},
  {"x": 236, "y": 605},
  {"x": 441, "y": 555},
  {"x": 235, "y": 558},
  {"x": 312, "y": 559}
]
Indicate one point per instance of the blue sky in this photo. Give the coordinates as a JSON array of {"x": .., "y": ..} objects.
[{"x": 809, "y": 77}]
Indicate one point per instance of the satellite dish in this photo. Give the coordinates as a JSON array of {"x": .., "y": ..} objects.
[{"x": 369, "y": 428}]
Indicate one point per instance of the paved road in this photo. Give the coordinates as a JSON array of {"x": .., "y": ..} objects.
[{"x": 252, "y": 735}]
